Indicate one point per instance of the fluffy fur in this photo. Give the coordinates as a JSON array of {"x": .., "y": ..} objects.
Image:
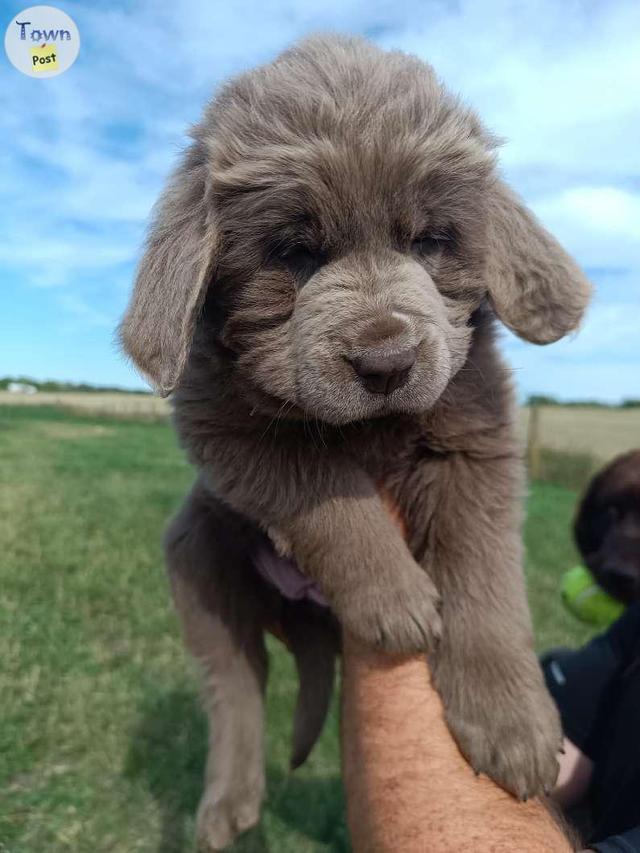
[
  {"x": 337, "y": 211},
  {"x": 607, "y": 527}
]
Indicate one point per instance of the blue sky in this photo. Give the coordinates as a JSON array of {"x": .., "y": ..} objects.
[{"x": 84, "y": 155}]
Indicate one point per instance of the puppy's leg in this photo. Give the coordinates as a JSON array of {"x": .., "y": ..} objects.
[
  {"x": 223, "y": 632},
  {"x": 329, "y": 511},
  {"x": 485, "y": 668}
]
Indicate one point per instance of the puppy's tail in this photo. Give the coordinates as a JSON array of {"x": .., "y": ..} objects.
[{"x": 312, "y": 636}]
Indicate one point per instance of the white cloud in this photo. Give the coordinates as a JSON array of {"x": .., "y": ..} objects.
[
  {"x": 558, "y": 80},
  {"x": 608, "y": 211},
  {"x": 599, "y": 224},
  {"x": 83, "y": 156}
]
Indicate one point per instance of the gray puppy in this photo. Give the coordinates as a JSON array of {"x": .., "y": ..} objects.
[{"x": 318, "y": 293}]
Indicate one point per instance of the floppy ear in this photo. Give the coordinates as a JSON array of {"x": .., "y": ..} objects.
[
  {"x": 171, "y": 281},
  {"x": 536, "y": 289}
]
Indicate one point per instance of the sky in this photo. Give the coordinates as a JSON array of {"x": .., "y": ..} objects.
[{"x": 84, "y": 155}]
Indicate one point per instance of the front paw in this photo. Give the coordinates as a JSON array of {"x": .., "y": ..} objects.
[
  {"x": 507, "y": 728},
  {"x": 399, "y": 616}
]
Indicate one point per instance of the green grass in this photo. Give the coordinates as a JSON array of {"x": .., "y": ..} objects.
[
  {"x": 570, "y": 469},
  {"x": 102, "y": 741}
]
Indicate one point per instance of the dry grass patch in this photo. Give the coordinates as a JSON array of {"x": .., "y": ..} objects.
[{"x": 72, "y": 431}]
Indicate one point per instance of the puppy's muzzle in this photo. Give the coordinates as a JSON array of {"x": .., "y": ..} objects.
[{"x": 384, "y": 372}]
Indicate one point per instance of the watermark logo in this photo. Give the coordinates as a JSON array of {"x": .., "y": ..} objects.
[{"x": 42, "y": 41}]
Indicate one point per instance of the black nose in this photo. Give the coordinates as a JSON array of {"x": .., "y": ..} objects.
[{"x": 382, "y": 373}]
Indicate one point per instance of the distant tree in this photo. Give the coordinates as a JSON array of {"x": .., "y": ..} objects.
[
  {"x": 545, "y": 400},
  {"x": 53, "y": 385},
  {"x": 542, "y": 400},
  {"x": 598, "y": 404}
]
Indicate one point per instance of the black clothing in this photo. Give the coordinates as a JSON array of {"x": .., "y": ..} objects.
[{"x": 597, "y": 690}]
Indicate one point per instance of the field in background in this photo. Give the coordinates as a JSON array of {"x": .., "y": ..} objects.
[
  {"x": 138, "y": 406},
  {"x": 102, "y": 742},
  {"x": 597, "y": 432}
]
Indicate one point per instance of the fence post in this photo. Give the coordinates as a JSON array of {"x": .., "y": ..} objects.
[{"x": 534, "y": 462}]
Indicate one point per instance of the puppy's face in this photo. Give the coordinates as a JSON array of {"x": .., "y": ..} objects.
[
  {"x": 333, "y": 227},
  {"x": 349, "y": 275},
  {"x": 608, "y": 528}
]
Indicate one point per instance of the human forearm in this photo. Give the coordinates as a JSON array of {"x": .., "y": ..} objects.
[{"x": 408, "y": 787}]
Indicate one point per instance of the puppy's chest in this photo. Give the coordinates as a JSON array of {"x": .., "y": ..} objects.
[
  {"x": 391, "y": 453},
  {"x": 408, "y": 472}
]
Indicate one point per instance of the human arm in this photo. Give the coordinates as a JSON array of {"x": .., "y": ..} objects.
[
  {"x": 574, "y": 777},
  {"x": 407, "y": 785}
]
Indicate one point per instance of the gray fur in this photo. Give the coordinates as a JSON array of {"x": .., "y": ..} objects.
[{"x": 335, "y": 204}]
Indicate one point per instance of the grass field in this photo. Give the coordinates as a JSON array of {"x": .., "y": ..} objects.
[
  {"x": 596, "y": 432},
  {"x": 102, "y": 742}
]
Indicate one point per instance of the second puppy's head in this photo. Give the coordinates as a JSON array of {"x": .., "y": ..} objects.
[
  {"x": 336, "y": 222},
  {"x": 607, "y": 527}
]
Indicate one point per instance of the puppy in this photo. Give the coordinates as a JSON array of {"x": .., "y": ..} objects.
[
  {"x": 607, "y": 527},
  {"x": 318, "y": 294}
]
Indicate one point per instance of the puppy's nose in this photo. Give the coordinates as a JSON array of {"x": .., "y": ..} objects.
[{"x": 382, "y": 373}]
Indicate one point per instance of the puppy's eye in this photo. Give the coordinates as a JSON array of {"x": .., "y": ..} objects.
[
  {"x": 430, "y": 244},
  {"x": 303, "y": 262}
]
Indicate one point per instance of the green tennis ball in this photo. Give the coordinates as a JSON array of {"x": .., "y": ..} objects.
[{"x": 586, "y": 600}]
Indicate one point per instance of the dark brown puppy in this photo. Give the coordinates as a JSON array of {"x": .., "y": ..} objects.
[
  {"x": 607, "y": 527},
  {"x": 318, "y": 292}
]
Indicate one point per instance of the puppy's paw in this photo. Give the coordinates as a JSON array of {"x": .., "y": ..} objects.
[
  {"x": 221, "y": 819},
  {"x": 401, "y": 616},
  {"x": 509, "y": 731}
]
